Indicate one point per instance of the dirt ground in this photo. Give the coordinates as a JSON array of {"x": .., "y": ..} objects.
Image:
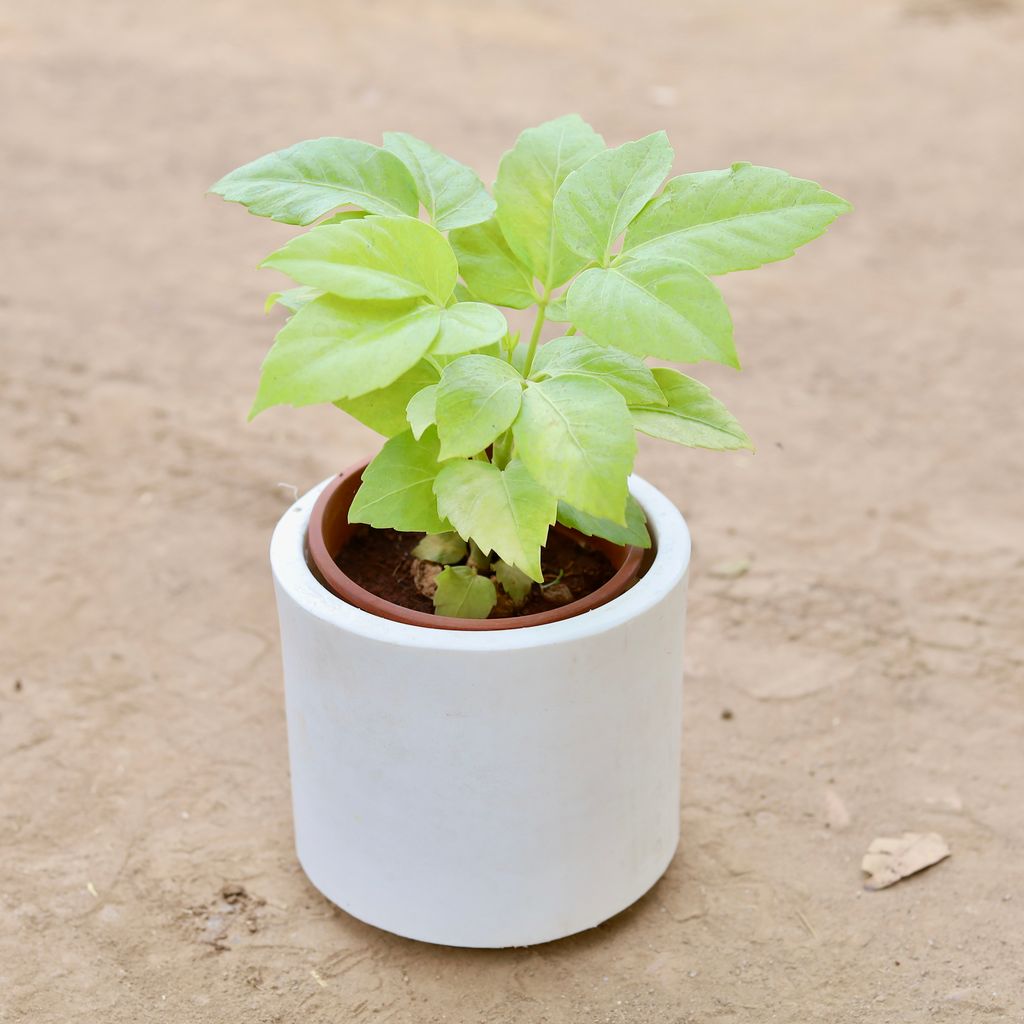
[{"x": 861, "y": 678}]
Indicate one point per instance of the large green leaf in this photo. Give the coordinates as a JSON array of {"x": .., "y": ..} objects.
[
  {"x": 303, "y": 182},
  {"x": 383, "y": 410},
  {"x": 453, "y": 195},
  {"x": 467, "y": 326},
  {"x": 492, "y": 272},
  {"x": 397, "y": 491},
  {"x": 374, "y": 258},
  {"x": 661, "y": 308},
  {"x": 734, "y": 219},
  {"x": 692, "y": 416},
  {"x": 335, "y": 349},
  {"x": 477, "y": 399},
  {"x": 528, "y": 177},
  {"x": 575, "y": 436},
  {"x": 598, "y": 200},
  {"x": 504, "y": 510},
  {"x": 581, "y": 357},
  {"x": 462, "y": 594},
  {"x": 634, "y": 532}
]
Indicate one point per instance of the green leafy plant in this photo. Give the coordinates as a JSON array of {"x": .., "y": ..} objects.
[{"x": 397, "y": 320}]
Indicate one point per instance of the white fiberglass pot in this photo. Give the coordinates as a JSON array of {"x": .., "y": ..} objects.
[{"x": 491, "y": 788}]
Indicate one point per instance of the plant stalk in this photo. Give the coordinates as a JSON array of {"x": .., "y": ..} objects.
[{"x": 542, "y": 308}]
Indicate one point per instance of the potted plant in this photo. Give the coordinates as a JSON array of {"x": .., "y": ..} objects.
[{"x": 482, "y": 627}]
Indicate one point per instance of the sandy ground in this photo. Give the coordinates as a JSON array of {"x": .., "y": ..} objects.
[{"x": 871, "y": 658}]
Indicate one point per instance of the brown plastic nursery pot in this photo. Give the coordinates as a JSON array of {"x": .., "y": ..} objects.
[{"x": 330, "y": 530}]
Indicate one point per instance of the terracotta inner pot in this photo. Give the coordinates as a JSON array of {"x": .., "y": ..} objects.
[{"x": 330, "y": 530}]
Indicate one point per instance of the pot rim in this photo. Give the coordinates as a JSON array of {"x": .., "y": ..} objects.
[
  {"x": 289, "y": 560},
  {"x": 342, "y": 585}
]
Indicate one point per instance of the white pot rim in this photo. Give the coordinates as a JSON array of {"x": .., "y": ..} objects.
[{"x": 288, "y": 559}]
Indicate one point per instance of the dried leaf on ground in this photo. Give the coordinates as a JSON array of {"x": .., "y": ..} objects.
[{"x": 890, "y": 859}]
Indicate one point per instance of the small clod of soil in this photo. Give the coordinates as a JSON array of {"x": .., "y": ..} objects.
[
  {"x": 233, "y": 893},
  {"x": 232, "y": 910},
  {"x": 424, "y": 575},
  {"x": 381, "y": 562}
]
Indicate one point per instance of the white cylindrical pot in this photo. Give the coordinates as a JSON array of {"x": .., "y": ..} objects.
[{"x": 492, "y": 788}]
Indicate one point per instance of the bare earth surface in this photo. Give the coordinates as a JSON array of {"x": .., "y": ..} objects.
[{"x": 863, "y": 677}]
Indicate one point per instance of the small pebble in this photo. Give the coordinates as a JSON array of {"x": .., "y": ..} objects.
[{"x": 557, "y": 593}]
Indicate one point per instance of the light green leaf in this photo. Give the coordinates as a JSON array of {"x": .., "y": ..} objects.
[
  {"x": 443, "y": 360},
  {"x": 575, "y": 436},
  {"x": 692, "y": 416},
  {"x": 735, "y": 219},
  {"x": 477, "y": 399},
  {"x": 383, "y": 410},
  {"x": 492, "y": 272},
  {"x": 581, "y": 357},
  {"x": 634, "y": 532},
  {"x": 335, "y": 349},
  {"x": 662, "y": 308},
  {"x": 519, "y": 354},
  {"x": 557, "y": 311},
  {"x": 293, "y": 299},
  {"x": 528, "y": 177},
  {"x": 420, "y": 410},
  {"x": 478, "y": 558},
  {"x": 462, "y": 594},
  {"x": 303, "y": 182},
  {"x": 452, "y": 194},
  {"x": 467, "y": 326},
  {"x": 397, "y": 490},
  {"x": 442, "y": 548},
  {"x": 373, "y": 258},
  {"x": 504, "y": 510},
  {"x": 341, "y": 216},
  {"x": 598, "y": 200},
  {"x": 514, "y": 582}
]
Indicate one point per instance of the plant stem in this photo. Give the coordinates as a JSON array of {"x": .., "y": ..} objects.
[{"x": 542, "y": 307}]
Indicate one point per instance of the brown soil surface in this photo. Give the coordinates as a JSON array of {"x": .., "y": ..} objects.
[
  {"x": 871, "y": 654},
  {"x": 381, "y": 561}
]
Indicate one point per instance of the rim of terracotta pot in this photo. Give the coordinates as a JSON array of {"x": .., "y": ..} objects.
[{"x": 329, "y": 530}]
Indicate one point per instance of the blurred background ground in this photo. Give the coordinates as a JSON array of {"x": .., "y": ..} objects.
[{"x": 862, "y": 677}]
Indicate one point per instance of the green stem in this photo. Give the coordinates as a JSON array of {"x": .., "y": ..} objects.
[{"x": 542, "y": 307}]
